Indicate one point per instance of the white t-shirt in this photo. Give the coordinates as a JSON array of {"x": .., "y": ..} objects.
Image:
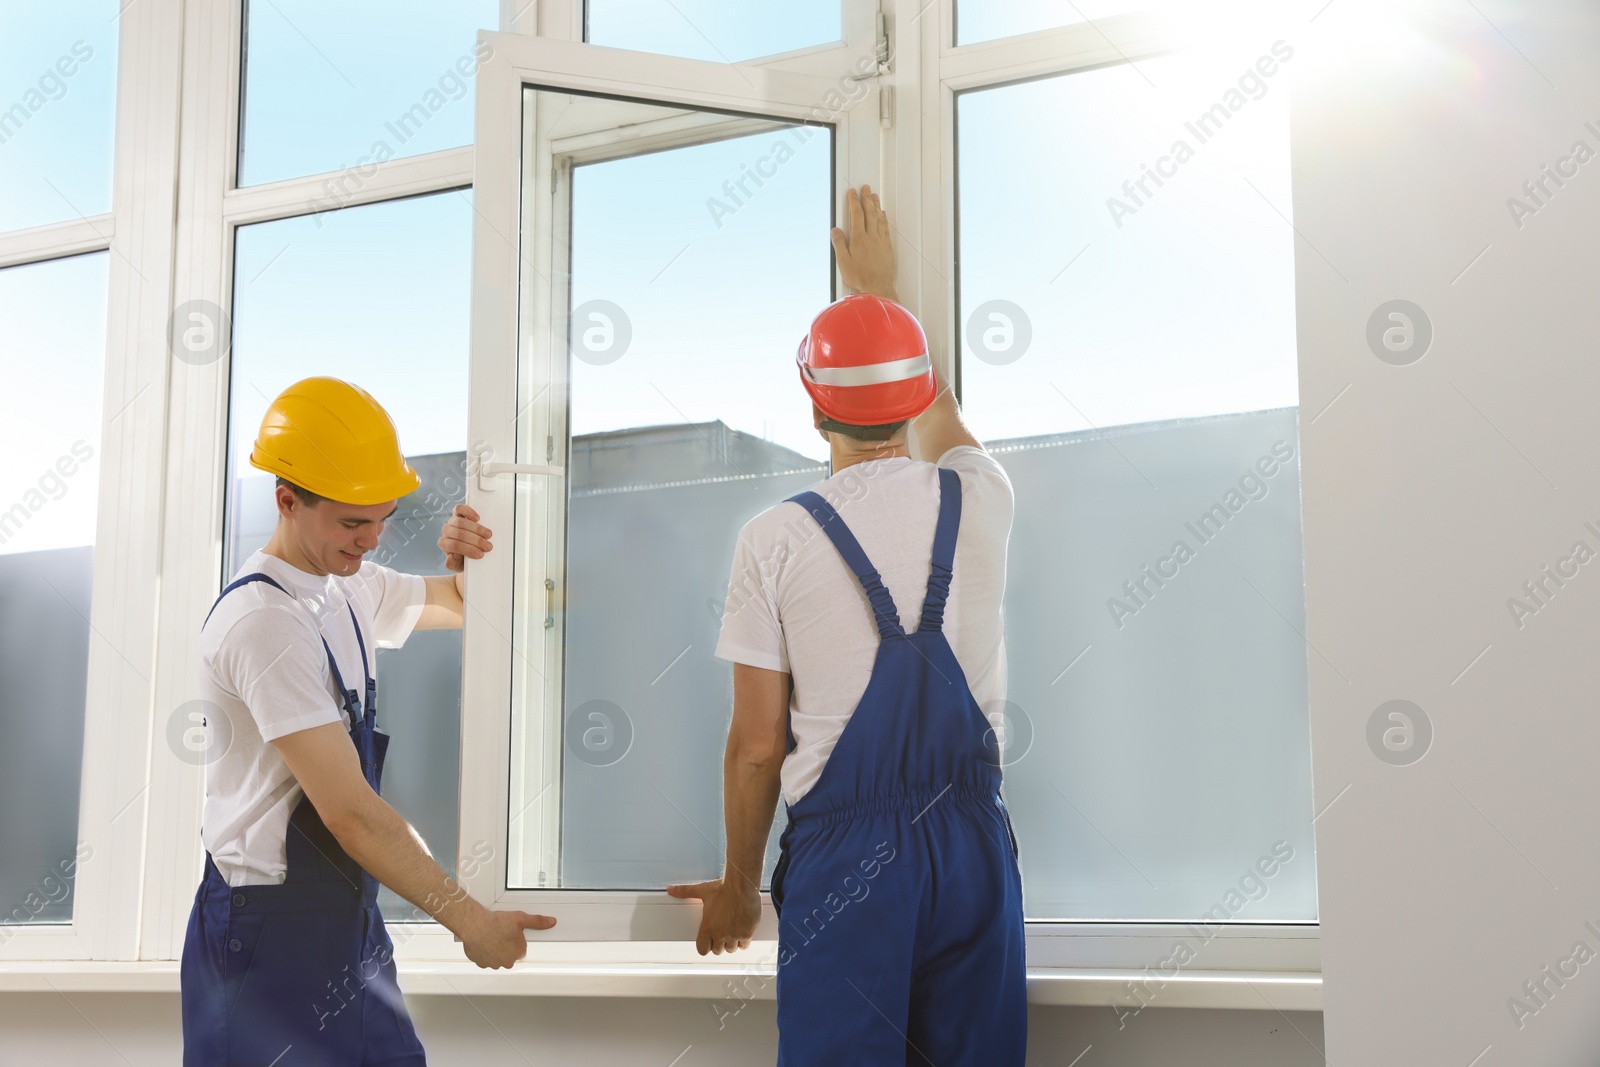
[
  {"x": 794, "y": 605},
  {"x": 262, "y": 663}
]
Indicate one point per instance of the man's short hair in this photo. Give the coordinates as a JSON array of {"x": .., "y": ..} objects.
[
  {"x": 306, "y": 496},
  {"x": 881, "y": 432}
]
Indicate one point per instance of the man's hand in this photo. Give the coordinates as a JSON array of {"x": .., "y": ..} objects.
[
  {"x": 498, "y": 941},
  {"x": 324, "y": 763},
  {"x": 463, "y": 536},
  {"x": 752, "y": 768},
  {"x": 730, "y": 916},
  {"x": 866, "y": 254}
]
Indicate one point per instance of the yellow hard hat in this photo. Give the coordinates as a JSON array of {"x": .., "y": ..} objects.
[{"x": 334, "y": 439}]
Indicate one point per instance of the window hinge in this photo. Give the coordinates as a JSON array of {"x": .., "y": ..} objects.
[
  {"x": 885, "y": 51},
  {"x": 885, "y": 68}
]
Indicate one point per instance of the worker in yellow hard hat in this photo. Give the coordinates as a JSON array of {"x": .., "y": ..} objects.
[{"x": 286, "y": 946}]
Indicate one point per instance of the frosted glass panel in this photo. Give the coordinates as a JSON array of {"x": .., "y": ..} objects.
[
  {"x": 376, "y": 295},
  {"x": 1162, "y": 744},
  {"x": 1128, "y": 349},
  {"x": 53, "y": 322}
]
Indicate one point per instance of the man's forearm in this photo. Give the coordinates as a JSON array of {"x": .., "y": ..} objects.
[
  {"x": 750, "y": 791},
  {"x": 944, "y": 408},
  {"x": 445, "y": 605},
  {"x": 387, "y": 847}
]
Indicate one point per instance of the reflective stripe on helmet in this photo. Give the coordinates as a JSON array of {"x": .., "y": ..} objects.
[{"x": 896, "y": 370}]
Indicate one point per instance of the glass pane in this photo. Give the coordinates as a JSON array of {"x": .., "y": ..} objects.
[
  {"x": 688, "y": 294},
  {"x": 376, "y": 295},
  {"x": 345, "y": 87},
  {"x": 1128, "y": 349},
  {"x": 58, "y": 80},
  {"x": 718, "y": 31},
  {"x": 50, "y": 417},
  {"x": 984, "y": 20}
]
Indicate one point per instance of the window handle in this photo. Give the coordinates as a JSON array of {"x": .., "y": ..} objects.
[{"x": 488, "y": 469}]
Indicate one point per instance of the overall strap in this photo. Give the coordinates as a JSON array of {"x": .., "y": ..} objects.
[
  {"x": 944, "y": 549},
  {"x": 882, "y": 604},
  {"x": 246, "y": 580},
  {"x": 348, "y": 697},
  {"x": 372, "y": 685}
]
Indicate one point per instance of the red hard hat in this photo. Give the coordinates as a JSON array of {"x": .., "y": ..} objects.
[{"x": 865, "y": 362}]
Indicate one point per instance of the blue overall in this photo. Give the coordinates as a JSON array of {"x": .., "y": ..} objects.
[
  {"x": 298, "y": 974},
  {"x": 900, "y": 934}
]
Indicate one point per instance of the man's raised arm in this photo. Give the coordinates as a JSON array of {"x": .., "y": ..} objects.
[{"x": 866, "y": 263}]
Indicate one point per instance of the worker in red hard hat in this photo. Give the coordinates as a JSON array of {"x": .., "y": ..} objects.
[
  {"x": 865, "y": 363},
  {"x": 899, "y": 897}
]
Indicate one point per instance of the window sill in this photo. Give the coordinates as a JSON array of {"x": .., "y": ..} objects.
[{"x": 714, "y": 979}]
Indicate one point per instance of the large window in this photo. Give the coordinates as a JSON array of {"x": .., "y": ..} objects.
[
  {"x": 53, "y": 319},
  {"x": 1122, "y": 334},
  {"x": 573, "y": 259},
  {"x": 58, "y": 647},
  {"x": 1127, "y": 343}
]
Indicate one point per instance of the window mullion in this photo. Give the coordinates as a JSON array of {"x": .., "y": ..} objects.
[
  {"x": 193, "y": 444},
  {"x": 120, "y": 727}
]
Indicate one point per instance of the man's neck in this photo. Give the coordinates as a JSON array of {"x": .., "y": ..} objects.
[
  {"x": 847, "y": 457},
  {"x": 281, "y": 548}
]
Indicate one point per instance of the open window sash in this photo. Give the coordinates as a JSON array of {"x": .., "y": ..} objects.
[{"x": 546, "y": 107}]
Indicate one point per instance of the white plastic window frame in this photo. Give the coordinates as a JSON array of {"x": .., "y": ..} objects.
[
  {"x": 203, "y": 44},
  {"x": 175, "y": 208},
  {"x": 212, "y": 208},
  {"x": 516, "y": 238},
  {"x": 1245, "y": 962},
  {"x": 121, "y": 673},
  {"x": 159, "y": 539},
  {"x": 906, "y": 151}
]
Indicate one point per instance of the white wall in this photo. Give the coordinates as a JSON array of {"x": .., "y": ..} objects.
[
  {"x": 141, "y": 1030},
  {"x": 1431, "y": 493}
]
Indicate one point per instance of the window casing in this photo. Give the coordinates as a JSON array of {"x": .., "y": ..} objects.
[{"x": 176, "y": 205}]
